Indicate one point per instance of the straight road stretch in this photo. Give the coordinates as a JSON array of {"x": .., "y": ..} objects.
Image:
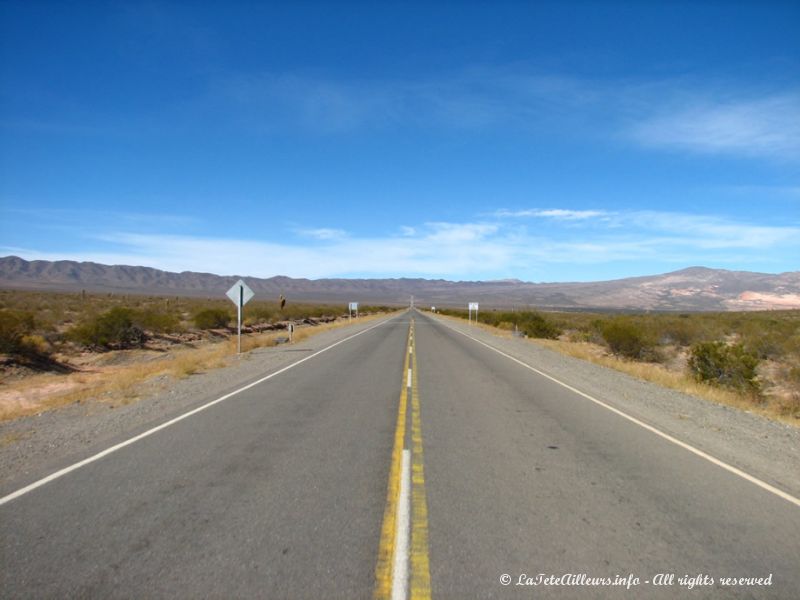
[{"x": 407, "y": 461}]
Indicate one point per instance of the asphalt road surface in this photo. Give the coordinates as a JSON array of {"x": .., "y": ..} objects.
[{"x": 411, "y": 461}]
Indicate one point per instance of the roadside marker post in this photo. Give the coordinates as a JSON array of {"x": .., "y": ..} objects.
[
  {"x": 291, "y": 332},
  {"x": 240, "y": 294},
  {"x": 352, "y": 308},
  {"x": 470, "y": 307}
]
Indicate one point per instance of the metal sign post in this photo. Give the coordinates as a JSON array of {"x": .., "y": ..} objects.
[
  {"x": 240, "y": 294},
  {"x": 472, "y": 306}
]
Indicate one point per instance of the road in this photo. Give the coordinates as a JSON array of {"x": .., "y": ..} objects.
[{"x": 407, "y": 448}]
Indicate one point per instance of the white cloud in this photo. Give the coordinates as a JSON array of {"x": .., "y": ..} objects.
[
  {"x": 710, "y": 232},
  {"x": 477, "y": 250},
  {"x": 458, "y": 233},
  {"x": 323, "y": 233},
  {"x": 560, "y": 214},
  {"x": 767, "y": 127},
  {"x": 696, "y": 116}
]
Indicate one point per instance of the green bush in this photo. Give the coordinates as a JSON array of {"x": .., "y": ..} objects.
[
  {"x": 625, "y": 339},
  {"x": 115, "y": 328},
  {"x": 681, "y": 331},
  {"x": 536, "y": 326},
  {"x": 263, "y": 314},
  {"x": 156, "y": 320},
  {"x": 729, "y": 366},
  {"x": 212, "y": 318},
  {"x": 15, "y": 326}
]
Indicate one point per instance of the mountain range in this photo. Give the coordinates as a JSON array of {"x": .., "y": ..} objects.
[{"x": 692, "y": 289}]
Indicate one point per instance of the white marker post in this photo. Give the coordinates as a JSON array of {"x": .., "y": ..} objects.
[
  {"x": 472, "y": 306},
  {"x": 352, "y": 308},
  {"x": 291, "y": 332},
  {"x": 240, "y": 294}
]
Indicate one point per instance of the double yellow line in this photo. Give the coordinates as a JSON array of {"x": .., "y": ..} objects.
[{"x": 419, "y": 578}]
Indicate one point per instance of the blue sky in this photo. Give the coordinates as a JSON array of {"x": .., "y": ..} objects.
[{"x": 539, "y": 141}]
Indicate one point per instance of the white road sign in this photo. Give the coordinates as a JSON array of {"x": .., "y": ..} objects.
[
  {"x": 354, "y": 306},
  {"x": 473, "y": 306},
  {"x": 240, "y": 292}
]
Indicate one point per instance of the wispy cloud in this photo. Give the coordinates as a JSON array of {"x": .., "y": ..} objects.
[
  {"x": 473, "y": 98},
  {"x": 323, "y": 233},
  {"x": 458, "y": 233},
  {"x": 560, "y": 214},
  {"x": 768, "y": 127},
  {"x": 679, "y": 114},
  {"x": 506, "y": 247}
]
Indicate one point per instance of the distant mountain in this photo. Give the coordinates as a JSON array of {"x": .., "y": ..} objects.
[{"x": 696, "y": 288}]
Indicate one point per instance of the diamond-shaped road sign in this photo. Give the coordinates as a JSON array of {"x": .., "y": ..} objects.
[{"x": 240, "y": 292}]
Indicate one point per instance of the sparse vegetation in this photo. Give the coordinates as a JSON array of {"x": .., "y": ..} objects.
[
  {"x": 727, "y": 365},
  {"x": 15, "y": 328},
  {"x": 113, "y": 329},
  {"x": 212, "y": 318},
  {"x": 624, "y": 338}
]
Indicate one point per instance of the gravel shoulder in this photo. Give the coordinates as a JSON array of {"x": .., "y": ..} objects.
[
  {"x": 768, "y": 450},
  {"x": 33, "y": 447}
]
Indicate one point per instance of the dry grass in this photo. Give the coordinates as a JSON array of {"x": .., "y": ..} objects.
[
  {"x": 122, "y": 384},
  {"x": 773, "y": 408}
]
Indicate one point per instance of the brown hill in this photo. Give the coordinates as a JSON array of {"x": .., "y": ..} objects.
[{"x": 696, "y": 288}]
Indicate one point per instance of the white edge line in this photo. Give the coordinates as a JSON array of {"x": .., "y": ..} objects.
[
  {"x": 400, "y": 559},
  {"x": 754, "y": 480},
  {"x": 107, "y": 451}
]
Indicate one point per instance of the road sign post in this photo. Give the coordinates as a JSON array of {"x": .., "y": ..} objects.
[
  {"x": 240, "y": 294},
  {"x": 352, "y": 308},
  {"x": 470, "y": 307}
]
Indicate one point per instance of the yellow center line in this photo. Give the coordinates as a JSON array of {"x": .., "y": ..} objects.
[
  {"x": 420, "y": 588},
  {"x": 418, "y": 561},
  {"x": 383, "y": 568}
]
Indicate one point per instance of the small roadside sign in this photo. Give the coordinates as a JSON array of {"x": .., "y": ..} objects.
[
  {"x": 352, "y": 308},
  {"x": 240, "y": 294},
  {"x": 472, "y": 306}
]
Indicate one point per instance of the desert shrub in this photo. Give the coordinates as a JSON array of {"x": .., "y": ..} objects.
[
  {"x": 36, "y": 344},
  {"x": 729, "y": 366},
  {"x": 626, "y": 339},
  {"x": 114, "y": 328},
  {"x": 15, "y": 326},
  {"x": 535, "y": 325},
  {"x": 263, "y": 314},
  {"x": 156, "y": 321},
  {"x": 212, "y": 318},
  {"x": 681, "y": 331}
]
